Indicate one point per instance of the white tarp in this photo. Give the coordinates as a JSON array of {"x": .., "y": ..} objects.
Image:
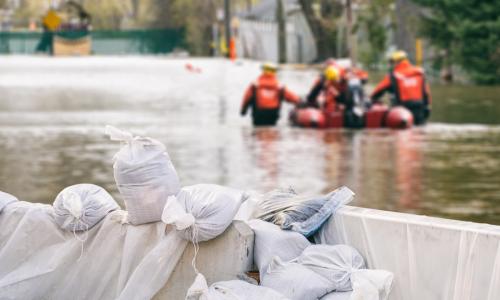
[
  {"x": 38, "y": 260},
  {"x": 431, "y": 258}
]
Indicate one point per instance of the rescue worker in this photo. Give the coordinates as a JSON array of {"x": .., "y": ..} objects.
[
  {"x": 331, "y": 86},
  {"x": 407, "y": 85},
  {"x": 265, "y": 97}
]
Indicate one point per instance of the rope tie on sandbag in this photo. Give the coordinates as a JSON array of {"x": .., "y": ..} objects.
[
  {"x": 72, "y": 203},
  {"x": 196, "y": 246}
]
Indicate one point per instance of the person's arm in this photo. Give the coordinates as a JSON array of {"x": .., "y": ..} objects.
[
  {"x": 290, "y": 96},
  {"x": 247, "y": 99},
  {"x": 381, "y": 88},
  {"x": 314, "y": 93}
]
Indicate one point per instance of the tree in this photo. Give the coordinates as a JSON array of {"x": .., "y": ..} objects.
[
  {"x": 375, "y": 19},
  {"x": 469, "y": 31},
  {"x": 323, "y": 25}
]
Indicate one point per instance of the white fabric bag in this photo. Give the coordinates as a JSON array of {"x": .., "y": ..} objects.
[
  {"x": 144, "y": 176},
  {"x": 335, "y": 263},
  {"x": 230, "y": 290},
  {"x": 270, "y": 241},
  {"x": 79, "y": 207},
  {"x": 295, "y": 281},
  {"x": 202, "y": 212},
  {"x": 6, "y": 199},
  {"x": 344, "y": 267}
]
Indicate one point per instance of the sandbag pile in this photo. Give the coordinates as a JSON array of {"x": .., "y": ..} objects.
[
  {"x": 291, "y": 265},
  {"x": 323, "y": 269}
]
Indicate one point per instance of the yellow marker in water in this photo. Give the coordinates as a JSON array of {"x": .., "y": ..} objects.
[{"x": 419, "y": 52}]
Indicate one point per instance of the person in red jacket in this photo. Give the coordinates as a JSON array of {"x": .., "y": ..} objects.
[
  {"x": 331, "y": 86},
  {"x": 265, "y": 97},
  {"x": 408, "y": 87}
]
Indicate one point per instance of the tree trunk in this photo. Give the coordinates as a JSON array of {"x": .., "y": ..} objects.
[
  {"x": 280, "y": 16},
  {"x": 316, "y": 28}
]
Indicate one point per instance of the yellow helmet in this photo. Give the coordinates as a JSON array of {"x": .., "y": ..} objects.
[
  {"x": 332, "y": 73},
  {"x": 398, "y": 56},
  {"x": 269, "y": 67}
]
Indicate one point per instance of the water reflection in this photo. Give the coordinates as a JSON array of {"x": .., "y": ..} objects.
[{"x": 52, "y": 136}]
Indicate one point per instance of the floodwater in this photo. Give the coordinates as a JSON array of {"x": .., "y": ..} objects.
[{"x": 53, "y": 112}]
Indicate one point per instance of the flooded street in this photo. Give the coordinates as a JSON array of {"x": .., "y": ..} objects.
[{"x": 53, "y": 113}]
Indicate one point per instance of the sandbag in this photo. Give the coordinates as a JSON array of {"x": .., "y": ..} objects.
[
  {"x": 6, "y": 199},
  {"x": 79, "y": 207},
  {"x": 335, "y": 263},
  {"x": 304, "y": 215},
  {"x": 144, "y": 175},
  {"x": 271, "y": 241},
  {"x": 230, "y": 290},
  {"x": 295, "y": 281},
  {"x": 202, "y": 212}
]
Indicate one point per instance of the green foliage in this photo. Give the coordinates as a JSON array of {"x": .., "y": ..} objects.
[
  {"x": 469, "y": 30},
  {"x": 375, "y": 20}
]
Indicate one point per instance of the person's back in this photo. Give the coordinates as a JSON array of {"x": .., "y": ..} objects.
[
  {"x": 407, "y": 84},
  {"x": 265, "y": 97}
]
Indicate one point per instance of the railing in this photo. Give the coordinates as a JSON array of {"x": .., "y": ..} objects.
[{"x": 150, "y": 41}]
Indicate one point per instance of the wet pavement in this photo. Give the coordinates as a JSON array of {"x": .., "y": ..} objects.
[{"x": 53, "y": 113}]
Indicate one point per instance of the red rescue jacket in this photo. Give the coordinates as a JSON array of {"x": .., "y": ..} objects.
[
  {"x": 406, "y": 82},
  {"x": 267, "y": 94},
  {"x": 330, "y": 91}
]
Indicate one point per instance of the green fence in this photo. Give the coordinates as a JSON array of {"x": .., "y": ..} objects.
[{"x": 152, "y": 41}]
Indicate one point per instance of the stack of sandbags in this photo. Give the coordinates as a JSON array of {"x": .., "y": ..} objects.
[
  {"x": 144, "y": 175},
  {"x": 323, "y": 269}
]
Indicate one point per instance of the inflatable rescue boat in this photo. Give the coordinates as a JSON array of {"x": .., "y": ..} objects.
[{"x": 377, "y": 116}]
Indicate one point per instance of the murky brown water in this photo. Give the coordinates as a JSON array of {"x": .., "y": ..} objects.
[{"x": 53, "y": 113}]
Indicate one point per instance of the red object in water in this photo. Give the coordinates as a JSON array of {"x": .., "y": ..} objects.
[
  {"x": 335, "y": 119},
  {"x": 192, "y": 68},
  {"x": 308, "y": 117},
  {"x": 399, "y": 117},
  {"x": 374, "y": 118}
]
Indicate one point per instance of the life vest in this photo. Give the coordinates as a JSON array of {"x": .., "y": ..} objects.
[
  {"x": 268, "y": 93},
  {"x": 330, "y": 94},
  {"x": 408, "y": 82}
]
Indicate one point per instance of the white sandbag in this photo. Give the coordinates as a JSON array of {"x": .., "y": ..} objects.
[
  {"x": 335, "y": 263},
  {"x": 295, "y": 281},
  {"x": 144, "y": 176},
  {"x": 6, "y": 199},
  {"x": 79, "y": 207},
  {"x": 371, "y": 284},
  {"x": 272, "y": 241},
  {"x": 230, "y": 290},
  {"x": 202, "y": 212}
]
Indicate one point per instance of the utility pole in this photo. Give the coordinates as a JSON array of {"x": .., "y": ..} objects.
[
  {"x": 281, "y": 18},
  {"x": 227, "y": 22}
]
